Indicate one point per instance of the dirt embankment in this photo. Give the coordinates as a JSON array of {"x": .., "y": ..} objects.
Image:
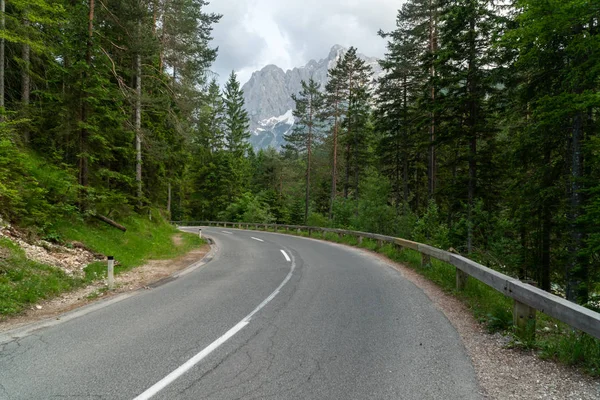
[{"x": 74, "y": 259}]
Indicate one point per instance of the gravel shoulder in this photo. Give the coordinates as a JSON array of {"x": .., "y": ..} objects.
[
  {"x": 135, "y": 279},
  {"x": 503, "y": 372}
]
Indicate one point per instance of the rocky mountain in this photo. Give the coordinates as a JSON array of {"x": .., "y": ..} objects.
[{"x": 268, "y": 96}]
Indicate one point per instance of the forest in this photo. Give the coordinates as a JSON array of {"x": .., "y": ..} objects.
[{"x": 482, "y": 136}]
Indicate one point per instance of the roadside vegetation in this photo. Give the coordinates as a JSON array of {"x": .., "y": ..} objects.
[{"x": 24, "y": 282}]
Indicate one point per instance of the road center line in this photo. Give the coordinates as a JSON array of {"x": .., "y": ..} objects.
[
  {"x": 260, "y": 240},
  {"x": 167, "y": 380},
  {"x": 227, "y": 232},
  {"x": 287, "y": 258}
]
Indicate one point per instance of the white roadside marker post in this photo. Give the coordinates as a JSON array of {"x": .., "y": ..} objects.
[
  {"x": 200, "y": 233},
  {"x": 111, "y": 272}
]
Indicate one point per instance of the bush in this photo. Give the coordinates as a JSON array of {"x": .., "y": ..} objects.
[
  {"x": 316, "y": 219},
  {"x": 429, "y": 228},
  {"x": 247, "y": 208}
]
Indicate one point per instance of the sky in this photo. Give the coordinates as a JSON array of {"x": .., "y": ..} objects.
[{"x": 289, "y": 33}]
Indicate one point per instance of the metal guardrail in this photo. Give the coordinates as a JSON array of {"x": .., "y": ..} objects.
[{"x": 527, "y": 298}]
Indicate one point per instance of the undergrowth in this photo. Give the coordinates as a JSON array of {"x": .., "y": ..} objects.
[{"x": 24, "y": 283}]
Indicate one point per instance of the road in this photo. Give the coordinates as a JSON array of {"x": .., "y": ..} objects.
[{"x": 333, "y": 322}]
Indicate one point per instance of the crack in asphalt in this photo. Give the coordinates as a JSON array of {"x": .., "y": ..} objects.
[{"x": 216, "y": 366}]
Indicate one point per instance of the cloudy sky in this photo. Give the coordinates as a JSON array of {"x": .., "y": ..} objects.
[{"x": 289, "y": 33}]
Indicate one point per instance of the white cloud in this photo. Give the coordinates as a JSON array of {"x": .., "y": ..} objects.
[{"x": 288, "y": 33}]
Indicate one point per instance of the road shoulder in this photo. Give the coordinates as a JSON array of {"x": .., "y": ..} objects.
[{"x": 150, "y": 274}]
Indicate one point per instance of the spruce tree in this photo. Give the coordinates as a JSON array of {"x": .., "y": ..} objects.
[
  {"x": 236, "y": 118},
  {"x": 465, "y": 64},
  {"x": 396, "y": 111}
]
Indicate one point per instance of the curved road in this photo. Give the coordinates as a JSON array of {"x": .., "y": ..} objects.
[{"x": 331, "y": 323}]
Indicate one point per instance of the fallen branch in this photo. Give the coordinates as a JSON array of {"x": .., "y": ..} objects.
[{"x": 110, "y": 222}]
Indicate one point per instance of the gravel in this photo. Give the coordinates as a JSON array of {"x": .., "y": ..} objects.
[
  {"x": 503, "y": 372},
  {"x": 72, "y": 260}
]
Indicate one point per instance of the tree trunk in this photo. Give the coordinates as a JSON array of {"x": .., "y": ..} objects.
[
  {"x": 405, "y": 153},
  {"x": 138, "y": 127},
  {"x": 334, "y": 166},
  {"x": 472, "y": 129},
  {"x": 577, "y": 270},
  {"x": 25, "y": 77},
  {"x": 2, "y": 56},
  {"x": 110, "y": 222},
  {"x": 169, "y": 199},
  {"x": 432, "y": 48},
  {"x": 25, "y": 80},
  {"x": 83, "y": 133},
  {"x": 308, "y": 161},
  {"x": 544, "y": 280},
  {"x": 347, "y": 175}
]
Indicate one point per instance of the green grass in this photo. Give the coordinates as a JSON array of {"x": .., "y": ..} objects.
[
  {"x": 24, "y": 282},
  {"x": 554, "y": 339},
  {"x": 144, "y": 239}
]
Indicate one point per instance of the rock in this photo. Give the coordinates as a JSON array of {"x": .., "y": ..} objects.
[
  {"x": 267, "y": 95},
  {"x": 4, "y": 224},
  {"x": 38, "y": 307}
]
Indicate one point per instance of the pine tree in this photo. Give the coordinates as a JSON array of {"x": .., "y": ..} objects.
[
  {"x": 333, "y": 113},
  {"x": 306, "y": 133},
  {"x": 346, "y": 110},
  {"x": 356, "y": 95}
]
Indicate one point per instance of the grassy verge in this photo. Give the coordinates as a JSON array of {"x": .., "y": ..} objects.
[
  {"x": 145, "y": 239},
  {"x": 554, "y": 339},
  {"x": 24, "y": 282}
]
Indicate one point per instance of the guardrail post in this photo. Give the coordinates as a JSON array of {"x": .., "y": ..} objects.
[
  {"x": 425, "y": 260},
  {"x": 309, "y": 231},
  {"x": 524, "y": 320},
  {"x": 379, "y": 243},
  {"x": 275, "y": 227},
  {"x": 360, "y": 239},
  {"x": 110, "y": 276},
  {"x": 461, "y": 279}
]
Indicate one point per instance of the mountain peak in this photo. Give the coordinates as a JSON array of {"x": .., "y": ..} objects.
[
  {"x": 268, "y": 96},
  {"x": 335, "y": 51}
]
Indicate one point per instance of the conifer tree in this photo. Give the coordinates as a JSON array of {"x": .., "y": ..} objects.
[
  {"x": 465, "y": 65},
  {"x": 558, "y": 65},
  {"x": 306, "y": 132},
  {"x": 236, "y": 118},
  {"x": 396, "y": 113},
  {"x": 356, "y": 96},
  {"x": 333, "y": 113}
]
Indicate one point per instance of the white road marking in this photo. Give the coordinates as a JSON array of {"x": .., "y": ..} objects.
[
  {"x": 167, "y": 380},
  {"x": 287, "y": 258},
  {"x": 227, "y": 232},
  {"x": 260, "y": 240}
]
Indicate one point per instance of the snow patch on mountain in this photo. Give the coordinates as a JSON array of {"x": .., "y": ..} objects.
[
  {"x": 271, "y": 131},
  {"x": 287, "y": 118},
  {"x": 267, "y": 95}
]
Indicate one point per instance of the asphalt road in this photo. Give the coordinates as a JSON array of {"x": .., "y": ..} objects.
[{"x": 331, "y": 323}]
